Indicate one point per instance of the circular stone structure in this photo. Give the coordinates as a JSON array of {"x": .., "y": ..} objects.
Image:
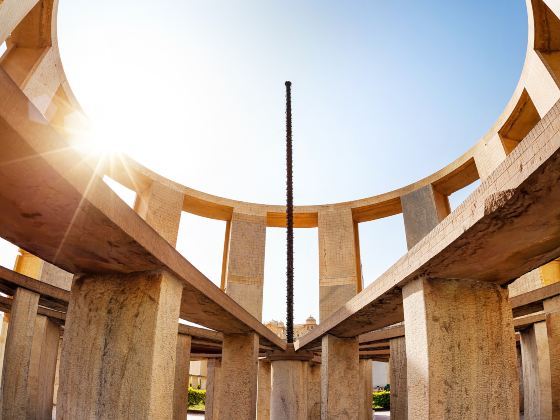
[{"x": 449, "y": 292}]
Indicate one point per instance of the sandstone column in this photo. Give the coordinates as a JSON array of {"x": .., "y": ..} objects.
[
  {"x": 366, "y": 390},
  {"x": 19, "y": 342},
  {"x": 553, "y": 331},
  {"x": 540, "y": 348},
  {"x": 397, "y": 369},
  {"x": 238, "y": 394},
  {"x": 289, "y": 390},
  {"x": 245, "y": 262},
  {"x": 160, "y": 206},
  {"x": 423, "y": 209},
  {"x": 120, "y": 334},
  {"x": 460, "y": 348},
  {"x": 182, "y": 364},
  {"x": 264, "y": 390},
  {"x": 339, "y": 378},
  {"x": 213, "y": 380},
  {"x": 339, "y": 278},
  {"x": 314, "y": 391},
  {"x": 42, "y": 370},
  {"x": 3, "y": 337}
]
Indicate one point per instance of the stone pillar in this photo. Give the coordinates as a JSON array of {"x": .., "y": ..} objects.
[
  {"x": 520, "y": 376},
  {"x": 3, "y": 337},
  {"x": 366, "y": 390},
  {"x": 397, "y": 368},
  {"x": 339, "y": 378},
  {"x": 540, "y": 348},
  {"x": 120, "y": 335},
  {"x": 314, "y": 391},
  {"x": 19, "y": 342},
  {"x": 181, "y": 389},
  {"x": 42, "y": 370},
  {"x": 553, "y": 330},
  {"x": 264, "y": 390},
  {"x": 338, "y": 261},
  {"x": 289, "y": 390},
  {"x": 245, "y": 263},
  {"x": 489, "y": 154},
  {"x": 461, "y": 360},
  {"x": 213, "y": 380},
  {"x": 160, "y": 206},
  {"x": 423, "y": 209},
  {"x": 238, "y": 394}
]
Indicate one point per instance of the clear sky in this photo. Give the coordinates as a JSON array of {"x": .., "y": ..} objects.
[{"x": 384, "y": 93}]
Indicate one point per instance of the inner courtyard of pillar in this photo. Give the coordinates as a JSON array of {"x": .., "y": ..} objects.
[{"x": 104, "y": 317}]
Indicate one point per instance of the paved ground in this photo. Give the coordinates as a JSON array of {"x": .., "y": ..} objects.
[{"x": 379, "y": 415}]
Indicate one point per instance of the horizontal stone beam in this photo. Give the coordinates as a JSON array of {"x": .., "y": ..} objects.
[
  {"x": 73, "y": 220},
  {"x": 504, "y": 229}
]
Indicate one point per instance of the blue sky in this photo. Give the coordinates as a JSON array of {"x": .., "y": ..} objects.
[{"x": 384, "y": 93}]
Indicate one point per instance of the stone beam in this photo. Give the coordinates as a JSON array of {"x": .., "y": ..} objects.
[
  {"x": 454, "y": 249},
  {"x": 78, "y": 214}
]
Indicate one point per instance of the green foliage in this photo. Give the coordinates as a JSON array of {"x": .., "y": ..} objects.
[
  {"x": 196, "y": 397},
  {"x": 381, "y": 400}
]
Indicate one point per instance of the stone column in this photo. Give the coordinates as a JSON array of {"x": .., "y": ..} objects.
[
  {"x": 520, "y": 376},
  {"x": 181, "y": 388},
  {"x": 42, "y": 370},
  {"x": 120, "y": 335},
  {"x": 245, "y": 263},
  {"x": 238, "y": 394},
  {"x": 289, "y": 390},
  {"x": 553, "y": 331},
  {"x": 366, "y": 390},
  {"x": 461, "y": 360},
  {"x": 338, "y": 261},
  {"x": 213, "y": 380},
  {"x": 160, "y": 206},
  {"x": 314, "y": 391},
  {"x": 423, "y": 209},
  {"x": 19, "y": 342},
  {"x": 339, "y": 378},
  {"x": 264, "y": 390},
  {"x": 3, "y": 337},
  {"x": 397, "y": 369},
  {"x": 540, "y": 348}
]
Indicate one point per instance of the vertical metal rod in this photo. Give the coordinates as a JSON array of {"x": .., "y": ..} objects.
[{"x": 289, "y": 219}]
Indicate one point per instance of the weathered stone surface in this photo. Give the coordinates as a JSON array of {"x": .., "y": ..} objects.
[
  {"x": 120, "y": 334},
  {"x": 398, "y": 381},
  {"x": 366, "y": 389},
  {"x": 289, "y": 390},
  {"x": 42, "y": 370},
  {"x": 19, "y": 342},
  {"x": 181, "y": 389},
  {"x": 340, "y": 375},
  {"x": 460, "y": 348},
  {"x": 264, "y": 390},
  {"x": 238, "y": 390},
  {"x": 213, "y": 382}
]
